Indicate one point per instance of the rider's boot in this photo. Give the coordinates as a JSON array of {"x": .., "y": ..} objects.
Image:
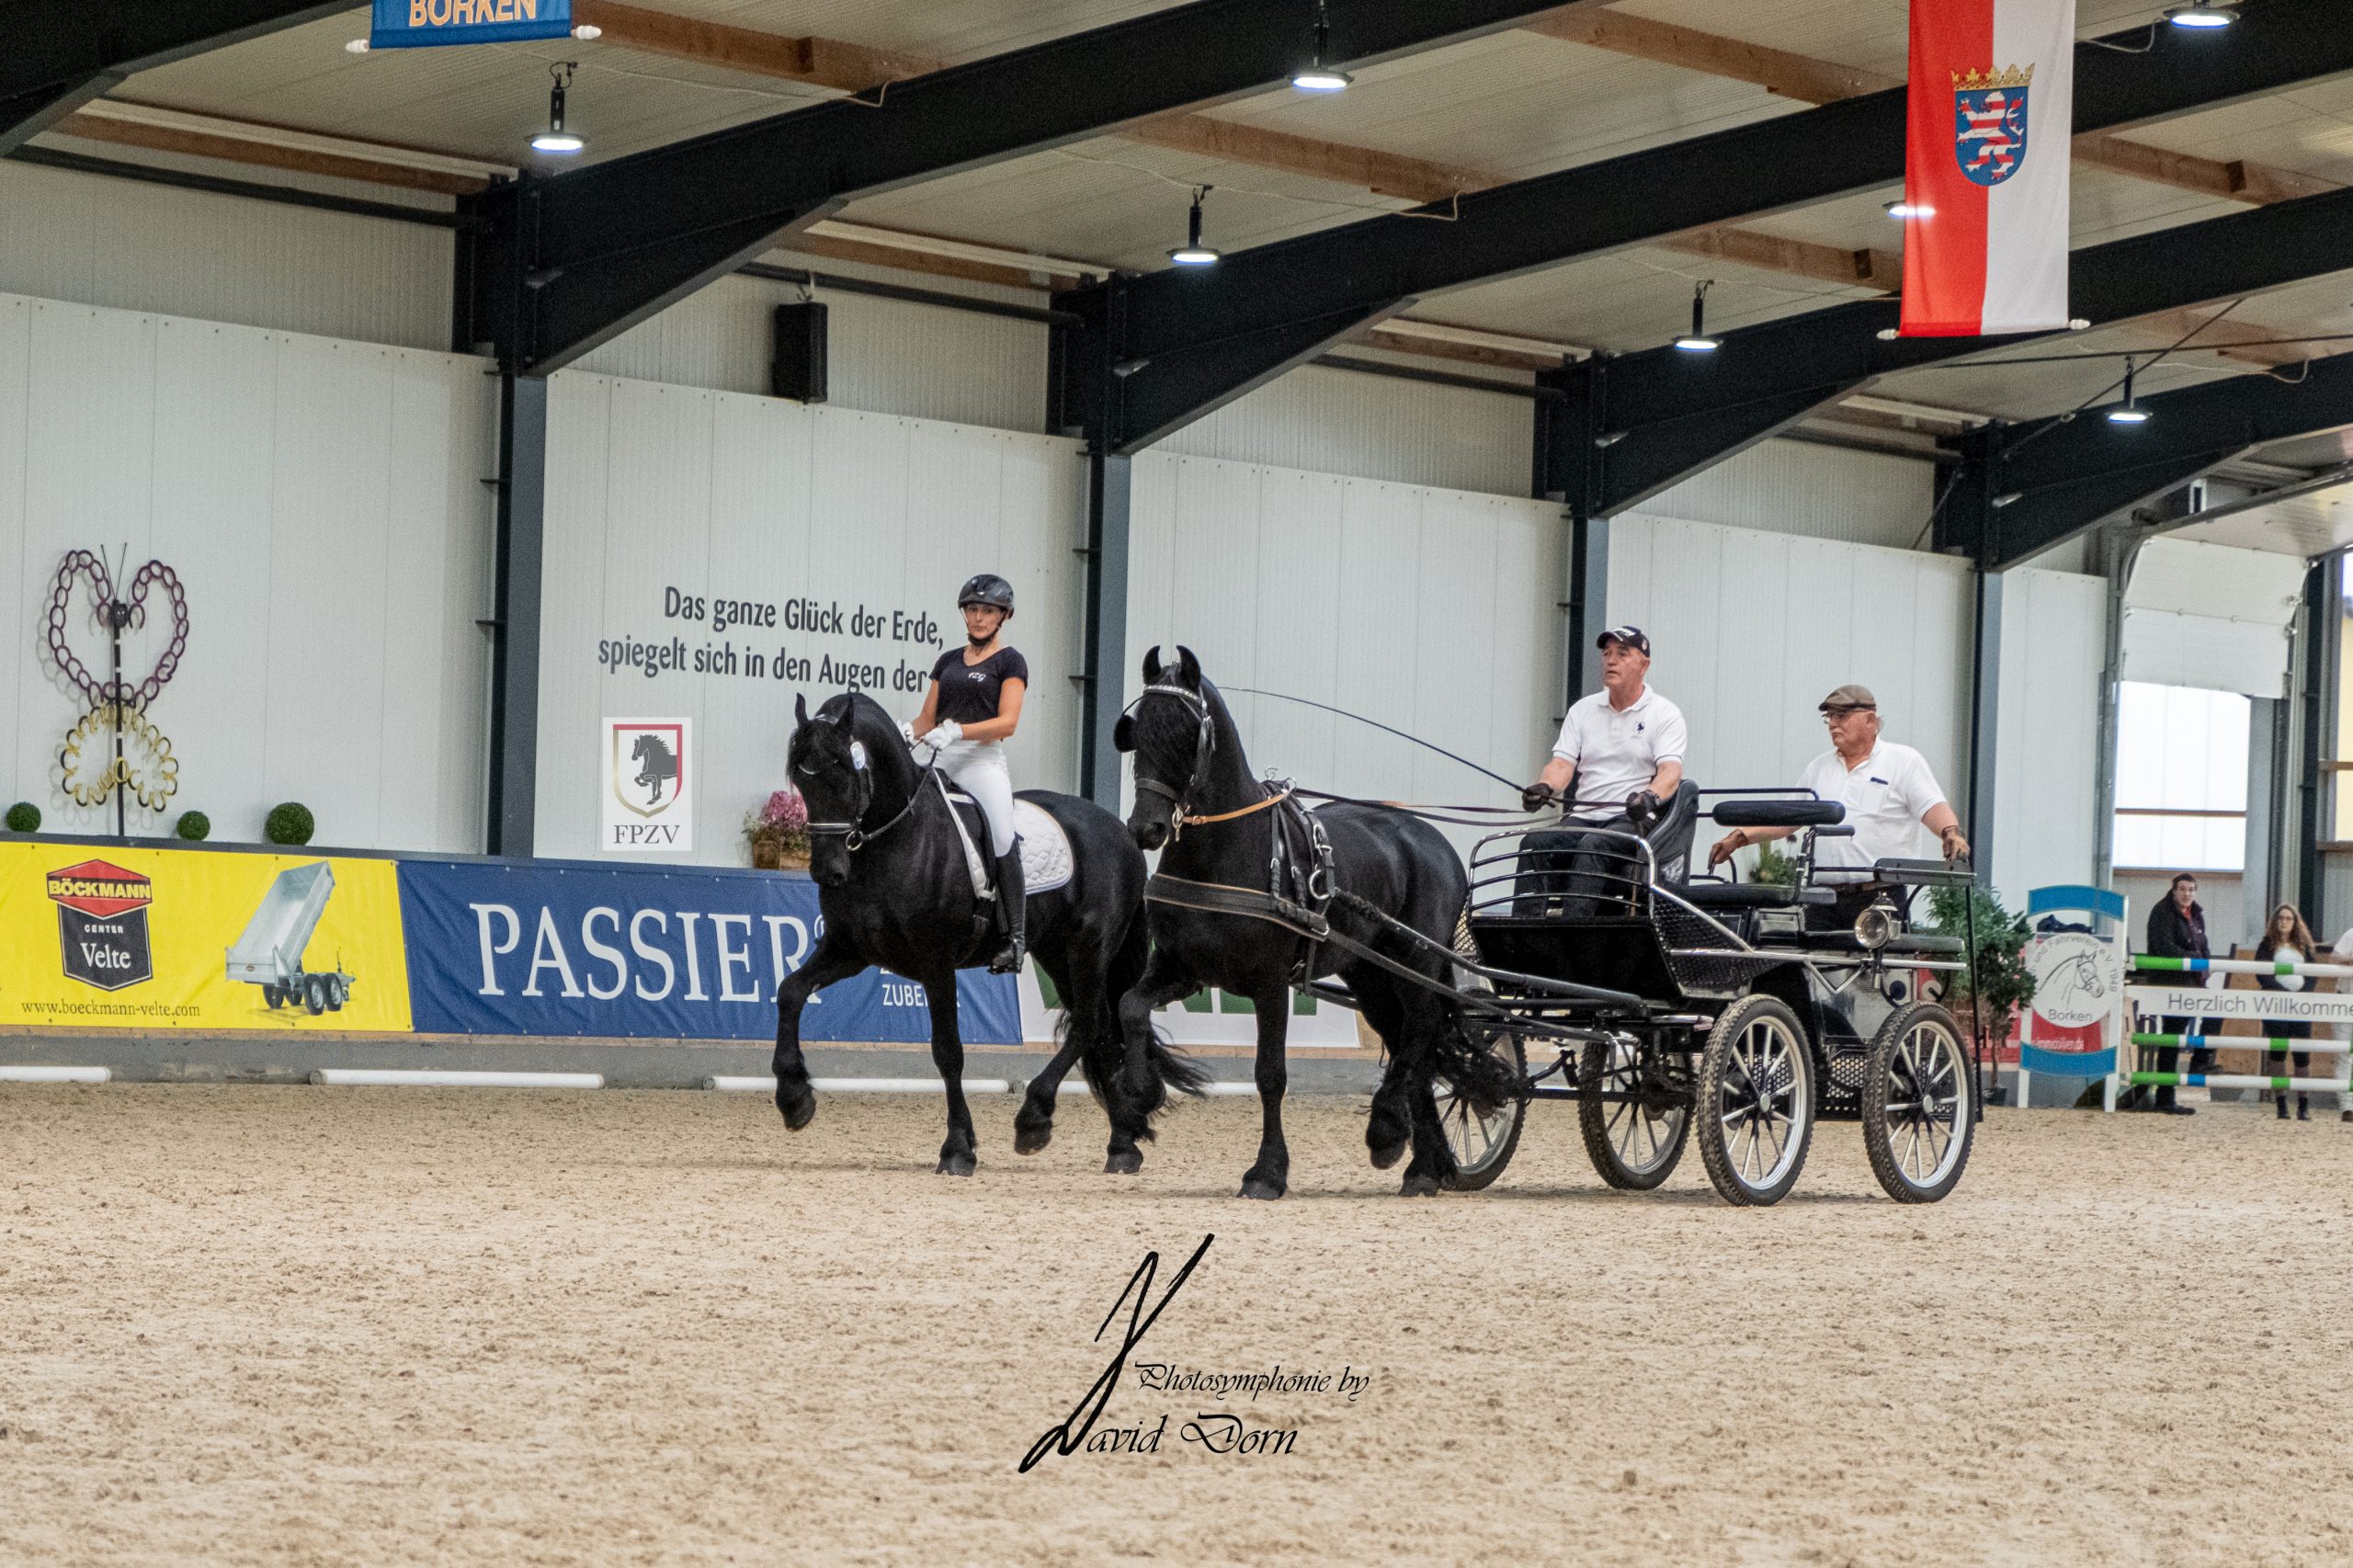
[{"x": 1011, "y": 911}]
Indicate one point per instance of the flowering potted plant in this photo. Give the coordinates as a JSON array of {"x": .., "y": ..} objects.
[{"x": 778, "y": 833}]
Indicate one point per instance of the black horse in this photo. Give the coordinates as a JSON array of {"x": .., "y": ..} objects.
[
  {"x": 1195, "y": 794},
  {"x": 910, "y": 908}
]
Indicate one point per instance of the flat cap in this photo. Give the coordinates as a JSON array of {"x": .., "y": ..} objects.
[{"x": 1850, "y": 696}]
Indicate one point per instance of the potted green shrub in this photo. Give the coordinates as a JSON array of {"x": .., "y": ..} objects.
[
  {"x": 194, "y": 826},
  {"x": 290, "y": 822},
  {"x": 24, "y": 817}
]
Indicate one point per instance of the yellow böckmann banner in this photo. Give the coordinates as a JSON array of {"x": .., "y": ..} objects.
[{"x": 98, "y": 936}]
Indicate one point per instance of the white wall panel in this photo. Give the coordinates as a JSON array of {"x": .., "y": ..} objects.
[
  {"x": 138, "y": 246},
  {"x": 1430, "y": 610},
  {"x": 2054, "y": 636},
  {"x": 1328, "y": 421},
  {"x": 319, "y": 500},
  {"x": 883, "y": 356},
  {"x": 1804, "y": 487},
  {"x": 719, "y": 495},
  {"x": 1749, "y": 631}
]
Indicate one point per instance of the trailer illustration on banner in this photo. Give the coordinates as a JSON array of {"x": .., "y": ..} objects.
[{"x": 270, "y": 951}]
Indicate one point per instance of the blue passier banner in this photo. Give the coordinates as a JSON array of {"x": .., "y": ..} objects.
[
  {"x": 545, "y": 949},
  {"x": 416, "y": 24}
]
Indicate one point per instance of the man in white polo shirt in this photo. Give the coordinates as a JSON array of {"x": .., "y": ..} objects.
[
  {"x": 1888, "y": 791},
  {"x": 1617, "y": 763}
]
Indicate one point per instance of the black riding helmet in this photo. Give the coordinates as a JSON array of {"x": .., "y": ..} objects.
[{"x": 988, "y": 588}]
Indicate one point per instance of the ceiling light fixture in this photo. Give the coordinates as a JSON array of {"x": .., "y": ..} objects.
[
  {"x": 1908, "y": 210},
  {"x": 588, "y": 33},
  {"x": 1697, "y": 340},
  {"x": 555, "y": 138},
  {"x": 2130, "y": 411},
  {"x": 1319, "y": 77},
  {"x": 356, "y": 46},
  {"x": 2202, "y": 13},
  {"x": 1192, "y": 253}
]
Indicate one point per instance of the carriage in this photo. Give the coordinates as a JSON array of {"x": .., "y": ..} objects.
[{"x": 1672, "y": 1007}]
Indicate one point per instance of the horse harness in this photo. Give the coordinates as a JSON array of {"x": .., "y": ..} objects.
[
  {"x": 1299, "y": 866},
  {"x": 854, "y": 836}
]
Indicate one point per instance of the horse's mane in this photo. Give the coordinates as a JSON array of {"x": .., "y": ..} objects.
[{"x": 871, "y": 723}]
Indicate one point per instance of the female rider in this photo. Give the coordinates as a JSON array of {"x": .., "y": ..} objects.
[{"x": 969, "y": 713}]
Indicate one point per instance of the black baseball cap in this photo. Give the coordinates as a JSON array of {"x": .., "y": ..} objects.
[{"x": 1632, "y": 636}]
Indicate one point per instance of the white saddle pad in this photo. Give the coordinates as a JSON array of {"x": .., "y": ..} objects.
[{"x": 1045, "y": 850}]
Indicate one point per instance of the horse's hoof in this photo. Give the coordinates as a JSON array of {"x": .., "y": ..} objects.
[
  {"x": 1029, "y": 1140},
  {"x": 958, "y": 1164},
  {"x": 1123, "y": 1162},
  {"x": 1258, "y": 1186},
  {"x": 1387, "y": 1154},
  {"x": 1418, "y": 1186},
  {"x": 799, "y": 1113}
]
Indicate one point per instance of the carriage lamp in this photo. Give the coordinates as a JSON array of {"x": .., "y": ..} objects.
[
  {"x": 2202, "y": 13},
  {"x": 1875, "y": 924},
  {"x": 555, "y": 138},
  {"x": 1320, "y": 77},
  {"x": 1192, "y": 253},
  {"x": 2130, "y": 411},
  {"x": 1697, "y": 340}
]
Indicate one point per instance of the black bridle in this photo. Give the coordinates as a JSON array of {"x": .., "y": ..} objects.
[
  {"x": 1204, "y": 748},
  {"x": 855, "y": 835}
]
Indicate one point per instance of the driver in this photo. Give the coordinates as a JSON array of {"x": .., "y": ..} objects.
[
  {"x": 969, "y": 713},
  {"x": 1619, "y": 758},
  {"x": 1886, "y": 787}
]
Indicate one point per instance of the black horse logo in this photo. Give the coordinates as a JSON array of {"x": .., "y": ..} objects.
[{"x": 657, "y": 764}]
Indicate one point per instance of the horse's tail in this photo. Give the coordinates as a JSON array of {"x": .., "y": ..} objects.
[{"x": 1103, "y": 1056}]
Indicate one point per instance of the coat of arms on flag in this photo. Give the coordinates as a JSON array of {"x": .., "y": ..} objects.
[{"x": 1989, "y": 122}]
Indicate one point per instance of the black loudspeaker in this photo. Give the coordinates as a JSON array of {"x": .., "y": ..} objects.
[{"x": 798, "y": 368}]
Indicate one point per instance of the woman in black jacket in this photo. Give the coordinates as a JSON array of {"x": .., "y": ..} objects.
[{"x": 2287, "y": 940}]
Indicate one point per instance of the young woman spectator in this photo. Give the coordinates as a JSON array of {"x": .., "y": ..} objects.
[{"x": 2288, "y": 940}]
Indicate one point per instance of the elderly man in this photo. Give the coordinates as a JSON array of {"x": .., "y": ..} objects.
[
  {"x": 1886, "y": 787},
  {"x": 1618, "y": 761}
]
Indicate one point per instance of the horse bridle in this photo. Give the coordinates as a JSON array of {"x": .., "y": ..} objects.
[
  {"x": 1204, "y": 749},
  {"x": 855, "y": 837}
]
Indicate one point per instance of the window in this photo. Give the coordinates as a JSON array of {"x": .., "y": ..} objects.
[{"x": 2181, "y": 778}]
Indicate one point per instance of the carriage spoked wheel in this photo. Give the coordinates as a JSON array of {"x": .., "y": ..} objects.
[
  {"x": 1633, "y": 1142},
  {"x": 1919, "y": 1111},
  {"x": 1482, "y": 1145},
  {"x": 1755, "y": 1102}
]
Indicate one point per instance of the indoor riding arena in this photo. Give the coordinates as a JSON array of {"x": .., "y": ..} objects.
[{"x": 1209, "y": 782}]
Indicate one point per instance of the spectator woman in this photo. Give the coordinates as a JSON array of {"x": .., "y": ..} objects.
[{"x": 2288, "y": 940}]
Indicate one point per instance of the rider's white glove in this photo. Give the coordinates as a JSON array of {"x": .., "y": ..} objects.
[
  {"x": 946, "y": 733},
  {"x": 906, "y": 732}
]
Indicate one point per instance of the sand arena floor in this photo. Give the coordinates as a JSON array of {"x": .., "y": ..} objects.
[{"x": 309, "y": 1326}]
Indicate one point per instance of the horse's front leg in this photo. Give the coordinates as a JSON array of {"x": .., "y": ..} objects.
[
  {"x": 1165, "y": 979},
  {"x": 1269, "y": 1177},
  {"x": 958, "y": 1153},
  {"x": 833, "y": 960}
]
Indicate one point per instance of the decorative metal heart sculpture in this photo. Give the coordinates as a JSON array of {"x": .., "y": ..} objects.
[{"x": 115, "y": 746}]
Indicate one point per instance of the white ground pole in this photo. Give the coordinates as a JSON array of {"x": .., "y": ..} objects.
[
  {"x": 54, "y": 1075},
  {"x": 434, "y": 1078},
  {"x": 747, "y": 1086}
]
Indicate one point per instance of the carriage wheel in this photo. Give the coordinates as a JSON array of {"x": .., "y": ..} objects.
[
  {"x": 1633, "y": 1144},
  {"x": 1919, "y": 1113},
  {"x": 1756, "y": 1101},
  {"x": 1482, "y": 1145}
]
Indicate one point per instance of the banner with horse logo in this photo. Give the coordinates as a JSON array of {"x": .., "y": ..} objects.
[
  {"x": 648, "y": 806},
  {"x": 1987, "y": 164}
]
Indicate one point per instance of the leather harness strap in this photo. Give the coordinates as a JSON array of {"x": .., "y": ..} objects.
[{"x": 1274, "y": 800}]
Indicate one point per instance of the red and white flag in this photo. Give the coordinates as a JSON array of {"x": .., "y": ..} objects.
[{"x": 1986, "y": 163}]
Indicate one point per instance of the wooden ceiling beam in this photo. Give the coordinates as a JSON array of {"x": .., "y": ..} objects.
[{"x": 1879, "y": 269}]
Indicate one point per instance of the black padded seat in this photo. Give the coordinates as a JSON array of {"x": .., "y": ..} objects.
[{"x": 1737, "y": 895}]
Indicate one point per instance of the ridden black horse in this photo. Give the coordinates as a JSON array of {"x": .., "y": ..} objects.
[
  {"x": 1190, "y": 769},
  {"x": 894, "y": 891}
]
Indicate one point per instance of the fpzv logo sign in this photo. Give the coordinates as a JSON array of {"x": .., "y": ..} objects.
[
  {"x": 102, "y": 923},
  {"x": 648, "y": 787}
]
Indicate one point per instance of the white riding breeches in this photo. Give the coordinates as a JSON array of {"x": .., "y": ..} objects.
[{"x": 979, "y": 767}]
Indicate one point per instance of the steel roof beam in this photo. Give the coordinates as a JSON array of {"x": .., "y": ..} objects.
[
  {"x": 1233, "y": 327},
  {"x": 573, "y": 260},
  {"x": 1666, "y": 414},
  {"x": 2054, "y": 480},
  {"x": 63, "y": 53}
]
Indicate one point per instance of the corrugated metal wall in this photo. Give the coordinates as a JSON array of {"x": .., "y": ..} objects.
[
  {"x": 120, "y": 243},
  {"x": 2055, "y": 642},
  {"x": 716, "y": 495},
  {"x": 321, "y": 502},
  {"x": 1804, "y": 487},
  {"x": 1327, "y": 421},
  {"x": 883, "y": 355},
  {"x": 1431, "y": 610}
]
